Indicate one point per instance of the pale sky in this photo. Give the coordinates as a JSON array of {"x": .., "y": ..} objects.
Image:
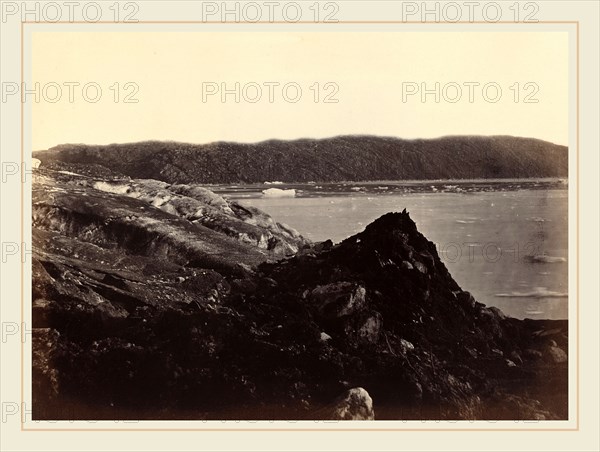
[{"x": 370, "y": 71}]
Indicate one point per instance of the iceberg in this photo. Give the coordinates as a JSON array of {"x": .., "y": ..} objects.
[{"x": 279, "y": 193}]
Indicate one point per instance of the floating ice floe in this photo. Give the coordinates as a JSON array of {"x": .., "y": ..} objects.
[
  {"x": 537, "y": 292},
  {"x": 545, "y": 259},
  {"x": 534, "y": 312},
  {"x": 275, "y": 182},
  {"x": 279, "y": 193}
]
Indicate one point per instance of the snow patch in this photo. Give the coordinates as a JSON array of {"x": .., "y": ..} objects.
[
  {"x": 118, "y": 189},
  {"x": 70, "y": 173}
]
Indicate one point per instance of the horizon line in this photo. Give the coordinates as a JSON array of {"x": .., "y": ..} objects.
[{"x": 331, "y": 137}]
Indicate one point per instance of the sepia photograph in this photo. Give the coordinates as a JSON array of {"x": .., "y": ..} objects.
[
  {"x": 299, "y": 225},
  {"x": 295, "y": 225}
]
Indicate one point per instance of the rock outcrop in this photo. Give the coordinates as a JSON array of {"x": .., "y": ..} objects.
[
  {"x": 148, "y": 303},
  {"x": 152, "y": 217}
]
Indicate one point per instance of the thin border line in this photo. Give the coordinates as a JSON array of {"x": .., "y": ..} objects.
[
  {"x": 577, "y": 224},
  {"x": 22, "y": 233},
  {"x": 576, "y": 23},
  {"x": 304, "y": 22},
  {"x": 296, "y": 429}
]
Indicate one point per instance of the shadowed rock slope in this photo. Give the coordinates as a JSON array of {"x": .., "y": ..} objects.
[
  {"x": 344, "y": 158},
  {"x": 152, "y": 316}
]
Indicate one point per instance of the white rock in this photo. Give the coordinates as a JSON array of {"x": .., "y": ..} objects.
[
  {"x": 325, "y": 337},
  {"x": 406, "y": 345},
  {"x": 354, "y": 405}
]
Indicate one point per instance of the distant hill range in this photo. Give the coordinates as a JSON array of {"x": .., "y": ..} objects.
[{"x": 343, "y": 158}]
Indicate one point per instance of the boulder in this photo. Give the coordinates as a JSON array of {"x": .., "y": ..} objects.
[
  {"x": 421, "y": 267},
  {"x": 497, "y": 312},
  {"x": 324, "y": 337},
  {"x": 516, "y": 357},
  {"x": 556, "y": 354},
  {"x": 355, "y": 405},
  {"x": 370, "y": 329},
  {"x": 406, "y": 265},
  {"x": 532, "y": 354},
  {"x": 406, "y": 345},
  {"x": 338, "y": 299}
]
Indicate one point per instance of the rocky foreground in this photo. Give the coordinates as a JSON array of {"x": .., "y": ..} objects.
[{"x": 165, "y": 301}]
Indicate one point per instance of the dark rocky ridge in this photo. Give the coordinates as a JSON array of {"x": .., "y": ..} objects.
[
  {"x": 344, "y": 158},
  {"x": 144, "y": 314}
]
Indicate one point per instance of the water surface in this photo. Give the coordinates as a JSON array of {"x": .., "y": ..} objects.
[{"x": 506, "y": 243}]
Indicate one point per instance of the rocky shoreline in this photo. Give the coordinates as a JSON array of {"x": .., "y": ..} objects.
[{"x": 165, "y": 301}]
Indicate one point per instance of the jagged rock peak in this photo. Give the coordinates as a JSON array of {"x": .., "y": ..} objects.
[{"x": 392, "y": 221}]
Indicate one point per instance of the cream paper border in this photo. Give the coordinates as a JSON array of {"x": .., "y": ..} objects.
[{"x": 579, "y": 433}]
